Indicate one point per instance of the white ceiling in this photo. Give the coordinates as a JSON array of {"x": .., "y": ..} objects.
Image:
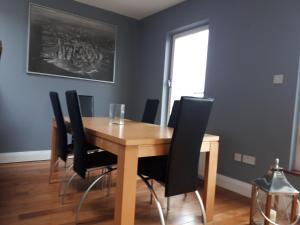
[{"x": 136, "y": 9}]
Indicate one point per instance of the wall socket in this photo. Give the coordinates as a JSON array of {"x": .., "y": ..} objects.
[
  {"x": 278, "y": 79},
  {"x": 238, "y": 157},
  {"x": 247, "y": 159},
  {"x": 251, "y": 160}
]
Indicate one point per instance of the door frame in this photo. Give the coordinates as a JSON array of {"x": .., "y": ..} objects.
[{"x": 169, "y": 58}]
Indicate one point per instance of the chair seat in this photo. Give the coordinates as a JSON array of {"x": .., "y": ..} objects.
[
  {"x": 70, "y": 149},
  {"x": 99, "y": 159},
  {"x": 154, "y": 167},
  {"x": 91, "y": 147}
]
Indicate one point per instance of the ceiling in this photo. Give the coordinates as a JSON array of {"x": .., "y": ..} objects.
[{"x": 137, "y": 9}]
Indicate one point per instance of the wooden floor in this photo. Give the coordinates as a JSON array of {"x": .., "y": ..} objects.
[{"x": 26, "y": 198}]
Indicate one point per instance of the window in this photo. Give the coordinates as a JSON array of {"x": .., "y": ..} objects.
[{"x": 188, "y": 64}]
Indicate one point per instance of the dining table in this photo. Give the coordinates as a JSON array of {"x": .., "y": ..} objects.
[{"x": 131, "y": 141}]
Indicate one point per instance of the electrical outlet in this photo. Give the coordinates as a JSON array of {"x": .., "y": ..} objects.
[
  {"x": 238, "y": 157},
  {"x": 278, "y": 79},
  {"x": 251, "y": 160}
]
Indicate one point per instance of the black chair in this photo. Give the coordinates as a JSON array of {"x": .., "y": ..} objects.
[
  {"x": 84, "y": 160},
  {"x": 174, "y": 114},
  {"x": 150, "y": 110},
  {"x": 64, "y": 149},
  {"x": 171, "y": 123},
  {"x": 86, "y": 104},
  {"x": 178, "y": 171}
]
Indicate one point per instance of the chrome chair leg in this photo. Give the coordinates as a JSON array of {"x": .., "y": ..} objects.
[
  {"x": 67, "y": 160},
  {"x": 52, "y": 170},
  {"x": 103, "y": 182},
  {"x": 108, "y": 172},
  {"x": 162, "y": 219},
  {"x": 66, "y": 187},
  {"x": 63, "y": 179},
  {"x": 201, "y": 207},
  {"x": 168, "y": 203},
  {"x": 152, "y": 186},
  {"x": 108, "y": 183},
  {"x": 66, "y": 163}
]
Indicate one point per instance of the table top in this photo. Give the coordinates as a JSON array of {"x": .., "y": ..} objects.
[{"x": 132, "y": 132}]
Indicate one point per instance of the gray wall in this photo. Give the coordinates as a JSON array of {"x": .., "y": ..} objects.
[
  {"x": 250, "y": 41},
  {"x": 25, "y": 112}
]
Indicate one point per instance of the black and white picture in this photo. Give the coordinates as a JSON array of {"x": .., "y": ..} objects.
[{"x": 63, "y": 44}]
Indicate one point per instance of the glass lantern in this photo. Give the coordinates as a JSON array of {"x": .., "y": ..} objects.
[{"x": 274, "y": 200}]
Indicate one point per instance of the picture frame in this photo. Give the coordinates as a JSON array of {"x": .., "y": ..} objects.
[{"x": 63, "y": 44}]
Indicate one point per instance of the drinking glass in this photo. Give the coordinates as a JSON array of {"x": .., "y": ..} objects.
[{"x": 116, "y": 113}]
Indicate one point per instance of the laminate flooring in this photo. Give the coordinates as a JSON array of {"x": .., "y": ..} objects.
[{"x": 26, "y": 198}]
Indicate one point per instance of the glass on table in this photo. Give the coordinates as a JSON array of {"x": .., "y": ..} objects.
[{"x": 117, "y": 113}]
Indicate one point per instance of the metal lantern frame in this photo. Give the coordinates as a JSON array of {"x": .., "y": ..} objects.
[{"x": 274, "y": 184}]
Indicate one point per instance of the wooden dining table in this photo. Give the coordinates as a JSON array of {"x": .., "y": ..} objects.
[{"x": 132, "y": 141}]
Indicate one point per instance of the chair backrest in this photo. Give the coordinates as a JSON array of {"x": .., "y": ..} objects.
[
  {"x": 80, "y": 151},
  {"x": 86, "y": 103},
  {"x": 182, "y": 169},
  {"x": 61, "y": 127},
  {"x": 174, "y": 114},
  {"x": 150, "y": 110}
]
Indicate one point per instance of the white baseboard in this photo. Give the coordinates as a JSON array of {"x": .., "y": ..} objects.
[
  {"x": 234, "y": 185},
  {"x": 12, "y": 157},
  {"x": 225, "y": 182}
]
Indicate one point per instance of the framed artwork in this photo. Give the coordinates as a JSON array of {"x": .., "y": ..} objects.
[{"x": 66, "y": 45}]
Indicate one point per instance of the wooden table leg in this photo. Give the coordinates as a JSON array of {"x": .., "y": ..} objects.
[
  {"x": 253, "y": 204},
  {"x": 294, "y": 208},
  {"x": 210, "y": 177},
  {"x": 54, "y": 144},
  {"x": 268, "y": 208},
  {"x": 126, "y": 186}
]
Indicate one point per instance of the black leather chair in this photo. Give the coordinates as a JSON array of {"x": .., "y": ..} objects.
[
  {"x": 171, "y": 123},
  {"x": 178, "y": 171},
  {"x": 174, "y": 114},
  {"x": 83, "y": 159},
  {"x": 150, "y": 110},
  {"x": 86, "y": 104},
  {"x": 64, "y": 149}
]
